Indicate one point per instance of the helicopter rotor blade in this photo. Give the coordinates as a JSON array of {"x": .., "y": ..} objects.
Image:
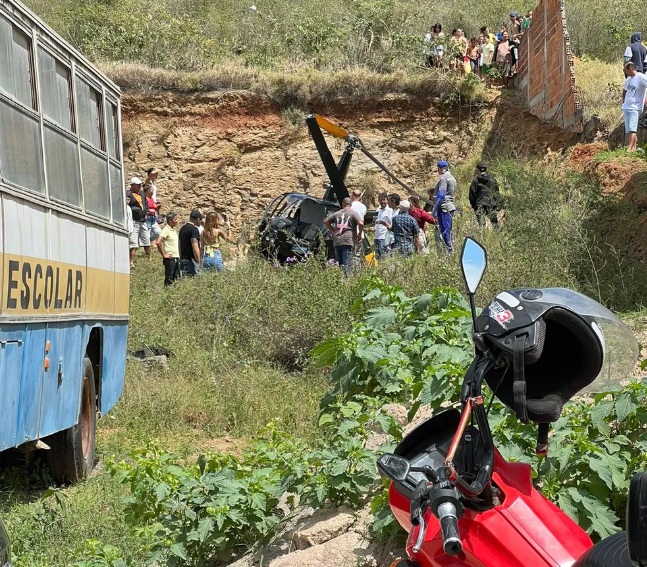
[
  {"x": 331, "y": 128},
  {"x": 340, "y": 132},
  {"x": 377, "y": 162}
]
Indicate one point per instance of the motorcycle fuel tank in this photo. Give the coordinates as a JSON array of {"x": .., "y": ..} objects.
[{"x": 525, "y": 530}]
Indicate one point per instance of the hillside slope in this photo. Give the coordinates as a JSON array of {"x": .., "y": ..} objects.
[{"x": 234, "y": 151}]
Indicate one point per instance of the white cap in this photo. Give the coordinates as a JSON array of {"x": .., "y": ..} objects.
[
  {"x": 135, "y": 181},
  {"x": 405, "y": 205}
]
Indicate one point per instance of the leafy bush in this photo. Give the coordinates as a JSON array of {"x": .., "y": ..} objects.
[
  {"x": 408, "y": 350},
  {"x": 201, "y": 511},
  {"x": 204, "y": 511},
  {"x": 98, "y": 554}
]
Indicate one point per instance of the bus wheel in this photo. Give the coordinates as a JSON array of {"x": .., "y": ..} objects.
[{"x": 71, "y": 454}]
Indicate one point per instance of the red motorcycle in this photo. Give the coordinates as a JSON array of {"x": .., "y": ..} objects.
[{"x": 462, "y": 503}]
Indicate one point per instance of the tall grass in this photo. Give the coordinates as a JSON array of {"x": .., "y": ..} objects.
[
  {"x": 600, "y": 84},
  {"x": 383, "y": 35},
  {"x": 303, "y": 86}
]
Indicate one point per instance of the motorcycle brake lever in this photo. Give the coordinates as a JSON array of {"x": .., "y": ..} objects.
[{"x": 422, "y": 530}]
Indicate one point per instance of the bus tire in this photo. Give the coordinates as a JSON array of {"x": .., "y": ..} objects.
[{"x": 71, "y": 454}]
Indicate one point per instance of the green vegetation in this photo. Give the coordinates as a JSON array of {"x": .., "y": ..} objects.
[
  {"x": 600, "y": 85},
  {"x": 416, "y": 350},
  {"x": 383, "y": 35},
  {"x": 312, "y": 52},
  {"x": 405, "y": 349},
  {"x": 316, "y": 52},
  {"x": 206, "y": 511},
  {"x": 240, "y": 348}
]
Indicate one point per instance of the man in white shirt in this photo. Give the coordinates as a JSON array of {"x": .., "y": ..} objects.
[
  {"x": 633, "y": 102},
  {"x": 360, "y": 209},
  {"x": 383, "y": 220}
]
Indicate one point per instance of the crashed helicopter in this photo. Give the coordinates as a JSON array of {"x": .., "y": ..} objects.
[{"x": 292, "y": 225}]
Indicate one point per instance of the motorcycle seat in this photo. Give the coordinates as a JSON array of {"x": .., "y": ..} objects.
[{"x": 610, "y": 552}]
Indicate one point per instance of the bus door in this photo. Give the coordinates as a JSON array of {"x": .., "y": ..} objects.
[
  {"x": 31, "y": 382},
  {"x": 11, "y": 354},
  {"x": 62, "y": 380}
]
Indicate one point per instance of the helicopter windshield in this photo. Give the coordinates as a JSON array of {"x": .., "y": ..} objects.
[{"x": 288, "y": 207}]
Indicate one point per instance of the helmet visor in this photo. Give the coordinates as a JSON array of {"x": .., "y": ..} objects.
[{"x": 618, "y": 341}]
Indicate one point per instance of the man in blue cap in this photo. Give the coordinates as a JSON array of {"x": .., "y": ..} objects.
[
  {"x": 443, "y": 197},
  {"x": 514, "y": 29}
]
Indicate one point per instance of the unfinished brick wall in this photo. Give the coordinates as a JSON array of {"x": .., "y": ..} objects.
[{"x": 545, "y": 68}]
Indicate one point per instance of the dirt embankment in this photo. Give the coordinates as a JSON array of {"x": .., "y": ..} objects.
[
  {"x": 624, "y": 181},
  {"x": 234, "y": 151}
]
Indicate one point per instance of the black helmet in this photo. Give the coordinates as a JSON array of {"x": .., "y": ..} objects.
[{"x": 556, "y": 342}]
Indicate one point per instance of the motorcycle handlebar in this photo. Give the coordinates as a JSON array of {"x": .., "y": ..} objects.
[{"x": 449, "y": 527}]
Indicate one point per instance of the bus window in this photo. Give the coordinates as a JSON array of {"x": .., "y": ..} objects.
[
  {"x": 94, "y": 170},
  {"x": 112, "y": 128},
  {"x": 118, "y": 195},
  {"x": 15, "y": 64},
  {"x": 21, "y": 157},
  {"x": 55, "y": 84},
  {"x": 89, "y": 107},
  {"x": 62, "y": 161}
]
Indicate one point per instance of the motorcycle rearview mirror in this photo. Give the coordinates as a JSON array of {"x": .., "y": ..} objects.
[
  {"x": 473, "y": 264},
  {"x": 396, "y": 468},
  {"x": 637, "y": 519}
]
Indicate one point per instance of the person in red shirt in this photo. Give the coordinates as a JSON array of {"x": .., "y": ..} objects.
[{"x": 422, "y": 217}]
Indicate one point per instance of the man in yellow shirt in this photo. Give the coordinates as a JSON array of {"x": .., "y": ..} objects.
[{"x": 169, "y": 247}]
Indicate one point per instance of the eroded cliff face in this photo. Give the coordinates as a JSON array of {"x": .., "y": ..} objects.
[{"x": 233, "y": 152}]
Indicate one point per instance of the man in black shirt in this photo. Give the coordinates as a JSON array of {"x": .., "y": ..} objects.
[
  {"x": 190, "y": 245},
  {"x": 484, "y": 196}
]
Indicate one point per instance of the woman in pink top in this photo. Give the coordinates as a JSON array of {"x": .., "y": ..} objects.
[{"x": 153, "y": 209}]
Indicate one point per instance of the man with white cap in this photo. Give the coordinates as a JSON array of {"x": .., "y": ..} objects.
[
  {"x": 444, "y": 206},
  {"x": 139, "y": 207},
  {"x": 405, "y": 231}
]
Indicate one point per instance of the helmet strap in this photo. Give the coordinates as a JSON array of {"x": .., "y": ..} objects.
[
  {"x": 519, "y": 384},
  {"x": 542, "y": 439}
]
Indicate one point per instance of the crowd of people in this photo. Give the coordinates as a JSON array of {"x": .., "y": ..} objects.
[
  {"x": 195, "y": 247},
  {"x": 479, "y": 55},
  {"x": 400, "y": 224}
]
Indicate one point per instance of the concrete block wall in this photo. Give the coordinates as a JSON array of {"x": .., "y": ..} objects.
[{"x": 545, "y": 68}]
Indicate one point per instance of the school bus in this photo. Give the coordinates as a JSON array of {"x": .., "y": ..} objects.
[{"x": 64, "y": 281}]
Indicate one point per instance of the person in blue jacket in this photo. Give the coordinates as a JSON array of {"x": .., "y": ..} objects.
[{"x": 444, "y": 206}]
